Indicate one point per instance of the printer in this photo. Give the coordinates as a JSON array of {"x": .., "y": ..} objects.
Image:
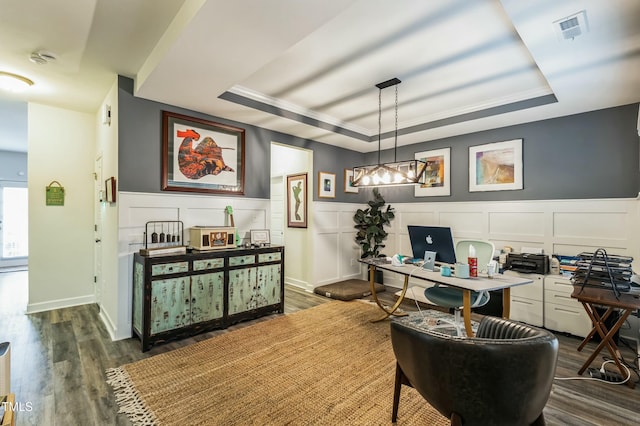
[{"x": 528, "y": 263}]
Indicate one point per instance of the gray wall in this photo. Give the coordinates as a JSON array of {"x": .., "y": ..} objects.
[
  {"x": 590, "y": 155},
  {"x": 140, "y": 143},
  {"x": 11, "y": 164}
]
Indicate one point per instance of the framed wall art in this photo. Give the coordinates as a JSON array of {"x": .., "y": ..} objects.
[
  {"x": 348, "y": 182},
  {"x": 496, "y": 166},
  {"x": 110, "y": 190},
  {"x": 326, "y": 185},
  {"x": 201, "y": 156},
  {"x": 437, "y": 173},
  {"x": 297, "y": 201}
]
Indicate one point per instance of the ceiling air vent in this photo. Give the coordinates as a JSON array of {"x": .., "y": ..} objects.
[{"x": 572, "y": 26}]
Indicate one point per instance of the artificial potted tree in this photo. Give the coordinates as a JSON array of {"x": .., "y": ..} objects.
[{"x": 370, "y": 224}]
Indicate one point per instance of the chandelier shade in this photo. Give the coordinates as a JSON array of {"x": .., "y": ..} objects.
[{"x": 409, "y": 172}]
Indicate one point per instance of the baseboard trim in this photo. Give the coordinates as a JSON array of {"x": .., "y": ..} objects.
[{"x": 33, "y": 308}]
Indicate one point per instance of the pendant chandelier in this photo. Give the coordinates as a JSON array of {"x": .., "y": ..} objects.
[{"x": 409, "y": 172}]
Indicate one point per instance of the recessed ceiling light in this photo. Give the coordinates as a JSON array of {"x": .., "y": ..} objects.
[{"x": 14, "y": 82}]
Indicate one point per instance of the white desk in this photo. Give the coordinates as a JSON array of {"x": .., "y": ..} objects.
[{"x": 481, "y": 283}]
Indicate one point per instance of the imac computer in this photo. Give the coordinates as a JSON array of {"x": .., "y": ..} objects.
[{"x": 432, "y": 239}]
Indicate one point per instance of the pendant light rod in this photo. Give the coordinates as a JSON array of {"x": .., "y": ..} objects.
[
  {"x": 395, "y": 137},
  {"x": 379, "y": 121},
  {"x": 391, "y": 82}
]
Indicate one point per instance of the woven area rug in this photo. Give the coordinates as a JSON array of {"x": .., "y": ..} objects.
[{"x": 326, "y": 365}]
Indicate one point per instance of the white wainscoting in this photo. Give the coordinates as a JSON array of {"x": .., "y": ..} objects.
[
  {"x": 137, "y": 208},
  {"x": 565, "y": 227},
  {"x": 336, "y": 253},
  {"x": 557, "y": 226}
]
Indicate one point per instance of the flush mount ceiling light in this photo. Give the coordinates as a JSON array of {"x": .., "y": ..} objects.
[
  {"x": 42, "y": 58},
  {"x": 409, "y": 172},
  {"x": 14, "y": 82}
]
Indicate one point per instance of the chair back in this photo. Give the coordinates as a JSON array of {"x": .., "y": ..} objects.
[
  {"x": 484, "y": 252},
  {"x": 502, "y": 376}
]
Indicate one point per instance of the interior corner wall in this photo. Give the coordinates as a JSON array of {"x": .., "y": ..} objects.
[
  {"x": 61, "y": 146},
  {"x": 112, "y": 298}
]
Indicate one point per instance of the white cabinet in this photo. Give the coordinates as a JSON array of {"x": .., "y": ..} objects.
[
  {"x": 527, "y": 301},
  {"x": 561, "y": 311}
]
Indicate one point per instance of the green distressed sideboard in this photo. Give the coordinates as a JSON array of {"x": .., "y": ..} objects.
[{"x": 176, "y": 296}]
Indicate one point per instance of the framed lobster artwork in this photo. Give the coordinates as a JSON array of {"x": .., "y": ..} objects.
[{"x": 201, "y": 156}]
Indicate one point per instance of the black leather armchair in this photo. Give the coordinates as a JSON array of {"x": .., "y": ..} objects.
[{"x": 503, "y": 376}]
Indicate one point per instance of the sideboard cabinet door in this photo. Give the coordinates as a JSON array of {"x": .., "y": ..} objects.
[
  {"x": 207, "y": 297},
  {"x": 242, "y": 284},
  {"x": 170, "y": 304},
  {"x": 268, "y": 288}
]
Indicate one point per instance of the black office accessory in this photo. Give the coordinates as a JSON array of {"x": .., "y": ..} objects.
[
  {"x": 528, "y": 263},
  {"x": 598, "y": 269}
]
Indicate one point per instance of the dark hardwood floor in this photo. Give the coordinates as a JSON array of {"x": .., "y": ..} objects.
[{"x": 59, "y": 358}]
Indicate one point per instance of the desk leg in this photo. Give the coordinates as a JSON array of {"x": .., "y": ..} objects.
[
  {"x": 392, "y": 311},
  {"x": 466, "y": 312},
  {"x": 506, "y": 302},
  {"x": 595, "y": 318},
  {"x": 606, "y": 338}
]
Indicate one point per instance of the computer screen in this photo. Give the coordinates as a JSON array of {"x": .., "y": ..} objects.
[{"x": 432, "y": 238}]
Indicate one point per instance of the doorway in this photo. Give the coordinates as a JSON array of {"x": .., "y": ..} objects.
[
  {"x": 14, "y": 224},
  {"x": 288, "y": 160}
]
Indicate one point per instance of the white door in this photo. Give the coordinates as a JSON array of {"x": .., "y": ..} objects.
[
  {"x": 14, "y": 224},
  {"x": 277, "y": 210},
  {"x": 99, "y": 193}
]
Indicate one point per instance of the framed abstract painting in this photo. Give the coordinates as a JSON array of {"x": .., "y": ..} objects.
[
  {"x": 496, "y": 166},
  {"x": 437, "y": 173},
  {"x": 348, "y": 182}
]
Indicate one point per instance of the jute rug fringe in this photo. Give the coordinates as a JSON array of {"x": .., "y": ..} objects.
[{"x": 128, "y": 398}]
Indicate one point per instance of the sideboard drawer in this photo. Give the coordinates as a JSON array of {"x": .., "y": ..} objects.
[
  {"x": 203, "y": 265},
  {"x": 269, "y": 257},
  {"x": 169, "y": 268},
  {"x": 242, "y": 260}
]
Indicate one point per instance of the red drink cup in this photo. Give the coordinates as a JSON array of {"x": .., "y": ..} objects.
[{"x": 473, "y": 266}]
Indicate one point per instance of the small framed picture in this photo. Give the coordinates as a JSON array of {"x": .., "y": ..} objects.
[
  {"x": 110, "y": 190},
  {"x": 326, "y": 185},
  {"x": 260, "y": 236},
  {"x": 348, "y": 182}
]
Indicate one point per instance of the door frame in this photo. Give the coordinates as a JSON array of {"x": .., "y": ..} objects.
[{"x": 12, "y": 261}]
